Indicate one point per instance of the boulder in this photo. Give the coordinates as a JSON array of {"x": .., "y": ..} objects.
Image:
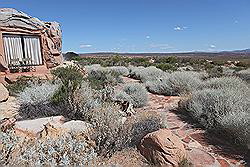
[
  {"x": 77, "y": 127},
  {"x": 34, "y": 128},
  {"x": 162, "y": 148},
  {"x": 50, "y": 33},
  {"x": 4, "y": 93}
]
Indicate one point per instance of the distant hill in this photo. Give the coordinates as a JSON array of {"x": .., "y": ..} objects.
[
  {"x": 225, "y": 54},
  {"x": 242, "y": 51}
]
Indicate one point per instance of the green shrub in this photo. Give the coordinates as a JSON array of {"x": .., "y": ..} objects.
[
  {"x": 35, "y": 100},
  {"x": 226, "y": 82},
  {"x": 100, "y": 77},
  {"x": 66, "y": 150},
  {"x": 71, "y": 79},
  {"x": 134, "y": 93},
  {"x": 245, "y": 75},
  {"x": 111, "y": 134},
  {"x": 146, "y": 74},
  {"x": 21, "y": 83},
  {"x": 176, "y": 83},
  {"x": 146, "y": 122},
  {"x": 215, "y": 109},
  {"x": 160, "y": 86},
  {"x": 166, "y": 66},
  {"x": 121, "y": 70}
]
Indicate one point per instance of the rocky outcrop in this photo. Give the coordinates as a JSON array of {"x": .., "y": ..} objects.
[
  {"x": 34, "y": 128},
  {"x": 163, "y": 148},
  {"x": 50, "y": 33},
  {"x": 4, "y": 93}
]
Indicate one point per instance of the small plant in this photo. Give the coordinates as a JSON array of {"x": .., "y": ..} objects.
[
  {"x": 8, "y": 143},
  {"x": 244, "y": 75},
  {"x": 36, "y": 93},
  {"x": 110, "y": 134},
  {"x": 121, "y": 70},
  {"x": 176, "y": 83},
  {"x": 71, "y": 79},
  {"x": 185, "y": 82},
  {"x": 35, "y": 100},
  {"x": 134, "y": 93},
  {"x": 185, "y": 163},
  {"x": 66, "y": 151},
  {"x": 146, "y": 74},
  {"x": 161, "y": 86},
  {"x": 100, "y": 77},
  {"x": 21, "y": 83},
  {"x": 144, "y": 123},
  {"x": 215, "y": 109}
]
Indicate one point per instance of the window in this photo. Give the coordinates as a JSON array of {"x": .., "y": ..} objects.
[{"x": 22, "y": 49}]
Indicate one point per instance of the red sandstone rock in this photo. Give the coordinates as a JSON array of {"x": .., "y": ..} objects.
[
  {"x": 4, "y": 93},
  {"x": 223, "y": 163},
  {"x": 162, "y": 148},
  {"x": 200, "y": 158},
  {"x": 13, "y": 21},
  {"x": 33, "y": 128}
]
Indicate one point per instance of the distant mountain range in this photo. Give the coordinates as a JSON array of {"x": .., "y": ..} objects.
[
  {"x": 242, "y": 51},
  {"x": 235, "y": 54}
]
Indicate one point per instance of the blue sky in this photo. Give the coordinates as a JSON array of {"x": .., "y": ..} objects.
[{"x": 145, "y": 25}]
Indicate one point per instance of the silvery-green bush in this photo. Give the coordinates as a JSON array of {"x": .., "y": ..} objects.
[
  {"x": 102, "y": 76},
  {"x": 64, "y": 151},
  {"x": 111, "y": 134},
  {"x": 230, "y": 82},
  {"x": 7, "y": 144},
  {"x": 214, "y": 108},
  {"x": 185, "y": 82},
  {"x": 121, "y": 70},
  {"x": 244, "y": 74},
  {"x": 147, "y": 74},
  {"x": 135, "y": 72},
  {"x": 160, "y": 86},
  {"x": 35, "y": 101},
  {"x": 135, "y": 93},
  {"x": 37, "y": 93},
  {"x": 122, "y": 96},
  {"x": 83, "y": 100},
  {"x": 176, "y": 83}
]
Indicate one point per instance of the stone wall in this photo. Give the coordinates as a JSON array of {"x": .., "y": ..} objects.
[{"x": 17, "y": 22}]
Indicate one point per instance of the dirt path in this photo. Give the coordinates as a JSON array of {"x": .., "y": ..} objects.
[{"x": 203, "y": 149}]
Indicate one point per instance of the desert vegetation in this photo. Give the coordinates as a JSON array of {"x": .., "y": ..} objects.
[
  {"x": 87, "y": 98},
  {"x": 216, "y": 98}
]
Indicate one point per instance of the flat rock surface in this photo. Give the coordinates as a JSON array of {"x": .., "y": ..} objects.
[
  {"x": 34, "y": 127},
  {"x": 4, "y": 93},
  {"x": 9, "y": 109}
]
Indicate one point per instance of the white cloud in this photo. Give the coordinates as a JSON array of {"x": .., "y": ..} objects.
[
  {"x": 180, "y": 28},
  {"x": 236, "y": 21},
  {"x": 85, "y": 46},
  {"x": 212, "y": 46},
  {"x": 147, "y": 36},
  {"x": 161, "y": 46}
]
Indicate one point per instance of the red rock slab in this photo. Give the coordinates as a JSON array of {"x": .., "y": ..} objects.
[
  {"x": 181, "y": 133},
  {"x": 32, "y": 128},
  {"x": 223, "y": 163},
  {"x": 200, "y": 137},
  {"x": 200, "y": 158},
  {"x": 172, "y": 126},
  {"x": 187, "y": 139}
]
